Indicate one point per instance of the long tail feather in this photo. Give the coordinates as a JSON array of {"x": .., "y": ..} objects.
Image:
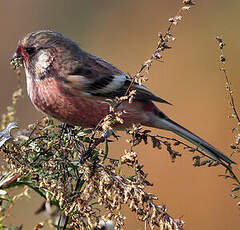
[{"x": 211, "y": 151}]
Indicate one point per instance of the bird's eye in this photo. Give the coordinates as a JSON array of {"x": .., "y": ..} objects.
[{"x": 30, "y": 50}]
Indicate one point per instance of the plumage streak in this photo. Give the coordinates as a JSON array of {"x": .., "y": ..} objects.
[
  {"x": 100, "y": 84},
  {"x": 69, "y": 84}
]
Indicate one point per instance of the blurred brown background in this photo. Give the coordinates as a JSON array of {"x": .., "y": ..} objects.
[{"x": 125, "y": 33}]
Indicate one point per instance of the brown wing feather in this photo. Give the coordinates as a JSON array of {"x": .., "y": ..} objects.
[
  {"x": 94, "y": 68},
  {"x": 98, "y": 77}
]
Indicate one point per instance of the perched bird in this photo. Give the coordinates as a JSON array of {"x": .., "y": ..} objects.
[{"x": 69, "y": 84}]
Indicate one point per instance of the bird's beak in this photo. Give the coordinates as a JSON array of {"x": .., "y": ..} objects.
[
  {"x": 16, "y": 56},
  {"x": 17, "y": 59}
]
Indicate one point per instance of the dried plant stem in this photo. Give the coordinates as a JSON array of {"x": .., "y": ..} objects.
[
  {"x": 232, "y": 101},
  {"x": 222, "y": 58}
]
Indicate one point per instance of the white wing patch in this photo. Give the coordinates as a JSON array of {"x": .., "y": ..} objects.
[
  {"x": 78, "y": 81},
  {"x": 117, "y": 83}
]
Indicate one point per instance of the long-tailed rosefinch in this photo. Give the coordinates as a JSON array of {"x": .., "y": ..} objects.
[{"x": 70, "y": 85}]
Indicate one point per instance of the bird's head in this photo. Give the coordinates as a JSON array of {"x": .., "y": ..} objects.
[{"x": 38, "y": 50}]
